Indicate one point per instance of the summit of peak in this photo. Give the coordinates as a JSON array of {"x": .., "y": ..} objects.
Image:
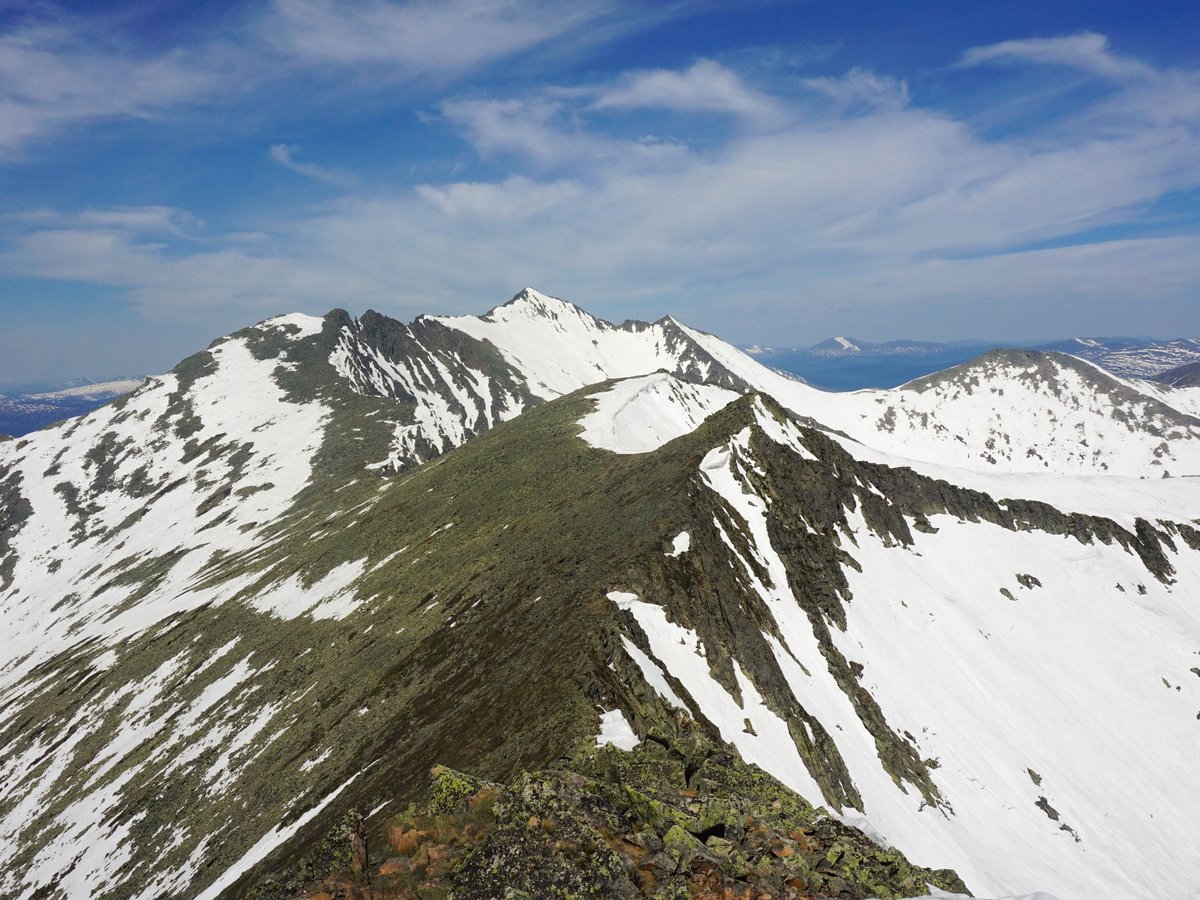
[
  {"x": 531, "y": 303},
  {"x": 1008, "y": 362},
  {"x": 533, "y": 297},
  {"x": 295, "y": 325},
  {"x": 532, "y": 293}
]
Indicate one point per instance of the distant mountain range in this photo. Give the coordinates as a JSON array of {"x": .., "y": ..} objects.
[
  {"x": 34, "y": 406},
  {"x": 847, "y": 364}
]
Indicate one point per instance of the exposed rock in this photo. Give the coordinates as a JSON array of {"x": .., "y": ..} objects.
[{"x": 613, "y": 824}]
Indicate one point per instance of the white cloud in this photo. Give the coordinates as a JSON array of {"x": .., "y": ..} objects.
[
  {"x": 525, "y": 127},
  {"x": 227, "y": 285},
  {"x": 861, "y": 90},
  {"x": 61, "y": 72},
  {"x": 548, "y": 131},
  {"x": 53, "y": 77},
  {"x": 167, "y": 220},
  {"x": 1087, "y": 51},
  {"x": 285, "y": 155},
  {"x": 706, "y": 86},
  {"x": 514, "y": 199},
  {"x": 838, "y": 217}
]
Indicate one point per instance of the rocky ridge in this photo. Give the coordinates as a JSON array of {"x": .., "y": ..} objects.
[
  {"x": 676, "y": 816},
  {"x": 274, "y": 586}
]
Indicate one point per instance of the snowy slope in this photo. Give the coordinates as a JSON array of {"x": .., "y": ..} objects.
[
  {"x": 1009, "y": 411},
  {"x": 1052, "y": 680},
  {"x": 150, "y": 491},
  {"x": 641, "y": 414},
  {"x": 113, "y": 480},
  {"x": 1183, "y": 397}
]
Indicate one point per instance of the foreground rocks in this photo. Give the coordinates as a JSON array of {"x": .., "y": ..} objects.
[{"x": 673, "y": 818}]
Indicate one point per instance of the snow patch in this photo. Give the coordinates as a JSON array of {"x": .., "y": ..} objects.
[
  {"x": 296, "y": 325},
  {"x": 681, "y": 544},
  {"x": 641, "y": 414},
  {"x": 616, "y": 730}
]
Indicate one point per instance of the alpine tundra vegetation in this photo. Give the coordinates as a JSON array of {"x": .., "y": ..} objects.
[{"x": 671, "y": 623}]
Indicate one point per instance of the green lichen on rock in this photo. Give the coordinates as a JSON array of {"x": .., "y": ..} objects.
[
  {"x": 607, "y": 823},
  {"x": 450, "y": 789}
]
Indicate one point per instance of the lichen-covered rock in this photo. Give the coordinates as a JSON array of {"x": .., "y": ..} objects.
[
  {"x": 677, "y": 817},
  {"x": 449, "y": 790}
]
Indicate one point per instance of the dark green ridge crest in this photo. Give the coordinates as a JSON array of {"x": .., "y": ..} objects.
[{"x": 697, "y": 589}]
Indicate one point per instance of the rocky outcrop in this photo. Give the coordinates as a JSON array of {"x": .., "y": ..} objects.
[{"x": 676, "y": 817}]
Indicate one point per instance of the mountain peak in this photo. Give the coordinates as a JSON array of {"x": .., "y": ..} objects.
[
  {"x": 840, "y": 346},
  {"x": 533, "y": 294},
  {"x": 532, "y": 303},
  {"x": 1044, "y": 365}
]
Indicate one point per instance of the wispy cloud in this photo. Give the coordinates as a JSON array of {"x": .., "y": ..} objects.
[
  {"x": 54, "y": 76},
  {"x": 60, "y": 72},
  {"x": 423, "y": 37},
  {"x": 1087, "y": 51},
  {"x": 861, "y": 90},
  {"x": 547, "y": 130},
  {"x": 285, "y": 155},
  {"x": 209, "y": 281}
]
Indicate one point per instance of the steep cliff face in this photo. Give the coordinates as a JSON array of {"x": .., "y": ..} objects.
[{"x": 450, "y": 385}]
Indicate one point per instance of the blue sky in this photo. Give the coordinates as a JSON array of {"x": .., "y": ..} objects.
[{"x": 775, "y": 172}]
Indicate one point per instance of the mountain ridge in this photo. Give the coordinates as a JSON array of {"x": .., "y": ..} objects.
[{"x": 250, "y": 586}]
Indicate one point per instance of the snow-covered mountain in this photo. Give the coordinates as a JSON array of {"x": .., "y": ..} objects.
[
  {"x": 278, "y": 583},
  {"x": 1132, "y": 357},
  {"x": 852, "y": 347}
]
